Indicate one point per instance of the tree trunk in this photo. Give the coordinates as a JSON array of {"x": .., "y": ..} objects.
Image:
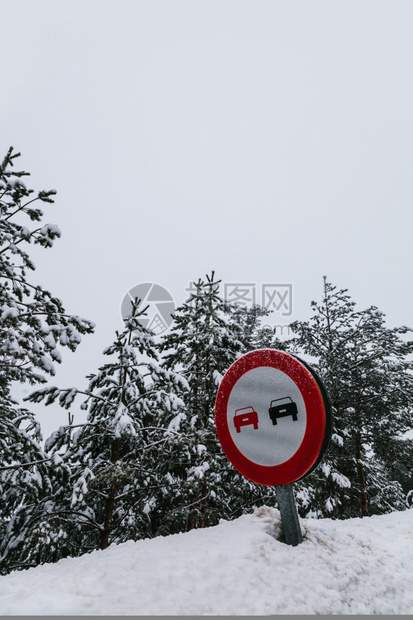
[
  {"x": 110, "y": 501},
  {"x": 204, "y": 503},
  {"x": 107, "y": 528},
  {"x": 361, "y": 479},
  {"x": 192, "y": 520},
  {"x": 191, "y": 523}
]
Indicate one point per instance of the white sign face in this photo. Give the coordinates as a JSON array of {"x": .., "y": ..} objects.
[{"x": 266, "y": 416}]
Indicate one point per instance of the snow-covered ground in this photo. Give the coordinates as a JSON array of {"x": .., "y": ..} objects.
[{"x": 359, "y": 566}]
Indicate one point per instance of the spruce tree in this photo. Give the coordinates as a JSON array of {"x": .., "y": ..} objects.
[
  {"x": 253, "y": 334},
  {"x": 116, "y": 458},
  {"x": 207, "y": 336},
  {"x": 367, "y": 372},
  {"x": 34, "y": 323},
  {"x": 28, "y": 483},
  {"x": 33, "y": 326}
]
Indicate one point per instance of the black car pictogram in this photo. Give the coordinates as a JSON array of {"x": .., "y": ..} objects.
[
  {"x": 282, "y": 407},
  {"x": 244, "y": 417}
]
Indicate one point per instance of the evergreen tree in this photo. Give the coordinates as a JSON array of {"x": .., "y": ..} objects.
[
  {"x": 33, "y": 326},
  {"x": 28, "y": 480},
  {"x": 253, "y": 334},
  {"x": 33, "y": 323},
  {"x": 207, "y": 336},
  {"x": 366, "y": 369},
  {"x": 116, "y": 458}
]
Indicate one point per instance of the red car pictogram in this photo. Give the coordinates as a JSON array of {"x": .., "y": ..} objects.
[{"x": 244, "y": 417}]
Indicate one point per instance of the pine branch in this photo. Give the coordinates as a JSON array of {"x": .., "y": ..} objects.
[{"x": 23, "y": 465}]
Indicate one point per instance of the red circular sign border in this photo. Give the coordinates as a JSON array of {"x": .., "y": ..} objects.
[{"x": 304, "y": 458}]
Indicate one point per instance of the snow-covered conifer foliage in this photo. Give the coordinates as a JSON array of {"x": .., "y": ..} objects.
[
  {"x": 253, "y": 334},
  {"x": 33, "y": 327},
  {"x": 116, "y": 458},
  {"x": 33, "y": 323},
  {"x": 207, "y": 336},
  {"x": 367, "y": 370},
  {"x": 28, "y": 483}
]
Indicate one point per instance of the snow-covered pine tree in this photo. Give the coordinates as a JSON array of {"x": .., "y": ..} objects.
[
  {"x": 253, "y": 334},
  {"x": 366, "y": 369},
  {"x": 396, "y": 456},
  {"x": 33, "y": 325},
  {"x": 28, "y": 483},
  {"x": 116, "y": 458},
  {"x": 207, "y": 336}
]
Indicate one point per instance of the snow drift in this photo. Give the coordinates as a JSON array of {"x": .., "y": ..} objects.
[{"x": 242, "y": 567}]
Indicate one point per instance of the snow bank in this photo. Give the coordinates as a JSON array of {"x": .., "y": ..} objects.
[{"x": 359, "y": 566}]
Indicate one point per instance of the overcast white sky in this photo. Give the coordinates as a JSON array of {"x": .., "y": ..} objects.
[{"x": 270, "y": 141}]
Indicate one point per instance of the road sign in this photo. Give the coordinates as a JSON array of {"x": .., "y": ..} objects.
[{"x": 273, "y": 417}]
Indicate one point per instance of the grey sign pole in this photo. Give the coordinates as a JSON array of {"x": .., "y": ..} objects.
[{"x": 289, "y": 515}]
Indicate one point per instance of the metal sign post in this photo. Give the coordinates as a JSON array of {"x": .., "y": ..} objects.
[{"x": 289, "y": 515}]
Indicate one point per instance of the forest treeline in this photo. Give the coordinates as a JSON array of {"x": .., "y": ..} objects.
[{"x": 147, "y": 460}]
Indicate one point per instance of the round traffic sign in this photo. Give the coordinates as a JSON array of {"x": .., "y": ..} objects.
[{"x": 273, "y": 417}]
